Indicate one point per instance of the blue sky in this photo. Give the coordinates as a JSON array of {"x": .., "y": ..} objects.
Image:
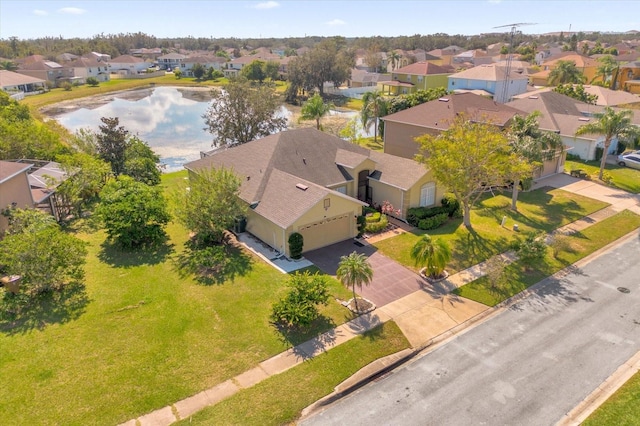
[{"x": 278, "y": 18}]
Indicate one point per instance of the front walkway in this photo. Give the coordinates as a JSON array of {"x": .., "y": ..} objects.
[{"x": 425, "y": 314}]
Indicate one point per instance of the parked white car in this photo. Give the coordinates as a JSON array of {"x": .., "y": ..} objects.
[{"x": 629, "y": 160}]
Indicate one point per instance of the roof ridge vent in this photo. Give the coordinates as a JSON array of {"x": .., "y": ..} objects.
[
  {"x": 443, "y": 99},
  {"x": 302, "y": 186}
]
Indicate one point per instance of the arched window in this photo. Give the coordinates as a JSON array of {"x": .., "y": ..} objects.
[{"x": 428, "y": 194}]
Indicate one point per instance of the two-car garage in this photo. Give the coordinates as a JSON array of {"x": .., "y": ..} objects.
[{"x": 327, "y": 231}]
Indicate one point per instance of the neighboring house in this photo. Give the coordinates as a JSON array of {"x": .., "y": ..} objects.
[
  {"x": 586, "y": 65},
  {"x": 235, "y": 65},
  {"x": 128, "y": 64},
  {"x": 564, "y": 115},
  {"x": 629, "y": 77},
  {"x": 66, "y": 57},
  {"x": 401, "y": 128},
  {"x": 492, "y": 79},
  {"x": 100, "y": 57},
  {"x": 171, "y": 61},
  {"x": 310, "y": 182},
  {"x": 361, "y": 78},
  {"x": 215, "y": 62},
  {"x": 84, "y": 68},
  {"x": 475, "y": 57},
  {"x": 145, "y": 53},
  {"x": 414, "y": 77},
  {"x": 446, "y": 54},
  {"x": 14, "y": 189},
  {"x": 13, "y": 82},
  {"x": 50, "y": 71},
  {"x": 606, "y": 97}
]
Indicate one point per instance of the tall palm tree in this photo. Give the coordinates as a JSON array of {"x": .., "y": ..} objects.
[
  {"x": 565, "y": 72},
  {"x": 8, "y": 65},
  {"x": 611, "y": 124},
  {"x": 354, "y": 270},
  {"x": 374, "y": 106},
  {"x": 607, "y": 67},
  {"x": 532, "y": 144},
  {"x": 394, "y": 57},
  {"x": 314, "y": 109},
  {"x": 433, "y": 254}
]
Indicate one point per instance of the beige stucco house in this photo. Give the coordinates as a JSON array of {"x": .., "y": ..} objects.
[
  {"x": 14, "y": 188},
  {"x": 310, "y": 182}
]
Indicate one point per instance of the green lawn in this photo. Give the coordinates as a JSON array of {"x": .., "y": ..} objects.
[
  {"x": 621, "y": 177},
  {"x": 544, "y": 209},
  {"x": 622, "y": 409},
  {"x": 279, "y": 399},
  {"x": 144, "y": 338},
  {"x": 581, "y": 244}
]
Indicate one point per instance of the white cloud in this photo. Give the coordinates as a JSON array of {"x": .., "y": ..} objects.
[
  {"x": 336, "y": 22},
  {"x": 267, "y": 5},
  {"x": 40, "y": 12},
  {"x": 72, "y": 10}
]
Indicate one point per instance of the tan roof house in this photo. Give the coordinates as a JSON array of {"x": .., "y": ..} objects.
[
  {"x": 587, "y": 66},
  {"x": 401, "y": 128},
  {"x": 492, "y": 79},
  {"x": 14, "y": 82},
  {"x": 310, "y": 182},
  {"x": 14, "y": 188},
  {"x": 49, "y": 71},
  {"x": 419, "y": 76}
]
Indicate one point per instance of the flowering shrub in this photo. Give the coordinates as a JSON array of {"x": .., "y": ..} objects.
[{"x": 387, "y": 208}]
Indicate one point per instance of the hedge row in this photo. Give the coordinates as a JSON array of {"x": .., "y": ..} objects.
[{"x": 434, "y": 221}]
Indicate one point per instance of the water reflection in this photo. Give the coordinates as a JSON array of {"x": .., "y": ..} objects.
[{"x": 169, "y": 119}]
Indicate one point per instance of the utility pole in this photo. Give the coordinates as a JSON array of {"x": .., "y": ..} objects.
[{"x": 507, "y": 72}]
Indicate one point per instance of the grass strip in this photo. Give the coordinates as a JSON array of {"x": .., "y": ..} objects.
[
  {"x": 280, "y": 399},
  {"x": 580, "y": 245},
  {"x": 621, "y": 409}
]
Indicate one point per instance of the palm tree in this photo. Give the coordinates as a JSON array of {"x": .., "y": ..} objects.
[
  {"x": 607, "y": 67},
  {"x": 565, "y": 72},
  {"x": 8, "y": 65},
  {"x": 314, "y": 109},
  {"x": 394, "y": 57},
  {"x": 433, "y": 254},
  {"x": 532, "y": 144},
  {"x": 611, "y": 124},
  {"x": 354, "y": 270},
  {"x": 374, "y": 106}
]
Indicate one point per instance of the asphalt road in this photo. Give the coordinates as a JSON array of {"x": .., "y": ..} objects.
[{"x": 529, "y": 365}]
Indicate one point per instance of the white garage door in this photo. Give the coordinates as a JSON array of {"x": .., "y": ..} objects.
[{"x": 326, "y": 232}]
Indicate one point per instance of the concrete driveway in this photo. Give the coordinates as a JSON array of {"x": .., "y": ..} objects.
[{"x": 391, "y": 281}]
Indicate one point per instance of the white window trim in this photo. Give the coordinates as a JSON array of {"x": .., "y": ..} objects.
[{"x": 427, "y": 199}]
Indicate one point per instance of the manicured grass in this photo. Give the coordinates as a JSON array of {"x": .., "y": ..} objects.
[
  {"x": 621, "y": 177},
  {"x": 543, "y": 209},
  {"x": 622, "y": 409},
  {"x": 279, "y": 399},
  {"x": 581, "y": 244},
  {"x": 369, "y": 143},
  {"x": 146, "y": 336}
]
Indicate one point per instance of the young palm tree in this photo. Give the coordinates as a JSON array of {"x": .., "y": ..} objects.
[
  {"x": 565, "y": 72},
  {"x": 611, "y": 124},
  {"x": 433, "y": 254},
  {"x": 374, "y": 106},
  {"x": 314, "y": 109},
  {"x": 354, "y": 270},
  {"x": 532, "y": 144}
]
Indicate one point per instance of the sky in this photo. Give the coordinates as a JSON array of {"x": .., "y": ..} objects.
[{"x": 281, "y": 18}]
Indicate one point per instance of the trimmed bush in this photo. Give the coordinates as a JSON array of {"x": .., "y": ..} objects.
[
  {"x": 433, "y": 222},
  {"x": 373, "y": 217},
  {"x": 296, "y": 243},
  {"x": 373, "y": 227},
  {"x": 362, "y": 224},
  {"x": 450, "y": 202},
  {"x": 416, "y": 214}
]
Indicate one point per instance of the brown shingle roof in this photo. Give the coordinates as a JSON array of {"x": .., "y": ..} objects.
[
  {"x": 438, "y": 114},
  {"x": 490, "y": 72},
  {"x": 422, "y": 68},
  {"x": 9, "y": 169},
  {"x": 10, "y": 78}
]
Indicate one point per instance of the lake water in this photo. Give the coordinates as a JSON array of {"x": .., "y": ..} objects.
[{"x": 169, "y": 119}]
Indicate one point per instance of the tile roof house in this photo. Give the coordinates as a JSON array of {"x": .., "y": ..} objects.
[
  {"x": 587, "y": 66},
  {"x": 85, "y": 67},
  {"x": 605, "y": 97},
  {"x": 171, "y": 60},
  {"x": 310, "y": 182},
  {"x": 492, "y": 79},
  {"x": 14, "y": 82},
  {"x": 401, "y": 128},
  {"x": 564, "y": 115},
  {"x": 49, "y": 71},
  {"x": 628, "y": 78},
  {"x": 128, "y": 64},
  {"x": 418, "y": 76}
]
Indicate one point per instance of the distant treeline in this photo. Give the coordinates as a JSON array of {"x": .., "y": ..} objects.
[{"x": 118, "y": 44}]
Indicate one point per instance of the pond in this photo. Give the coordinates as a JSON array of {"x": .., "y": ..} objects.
[{"x": 169, "y": 119}]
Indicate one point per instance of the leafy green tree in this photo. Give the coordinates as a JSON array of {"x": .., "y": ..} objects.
[
  {"x": 141, "y": 163},
  {"x": 211, "y": 205},
  {"x": 576, "y": 91},
  {"x": 565, "y": 72},
  {"x": 8, "y": 65},
  {"x": 92, "y": 81},
  {"x": 402, "y": 102},
  {"x": 198, "y": 71},
  {"x": 133, "y": 214},
  {"x": 432, "y": 254},
  {"x": 314, "y": 109},
  {"x": 42, "y": 254},
  {"x": 350, "y": 131},
  {"x": 468, "y": 158},
  {"x": 254, "y": 71},
  {"x": 531, "y": 144},
  {"x": 354, "y": 271},
  {"x": 374, "y": 106},
  {"x": 610, "y": 124},
  {"x": 299, "y": 308},
  {"x": 87, "y": 176},
  {"x": 530, "y": 249},
  {"x": 271, "y": 70},
  {"x": 112, "y": 143},
  {"x": 177, "y": 73},
  {"x": 241, "y": 113}
]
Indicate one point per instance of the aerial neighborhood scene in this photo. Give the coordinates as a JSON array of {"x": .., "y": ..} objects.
[{"x": 319, "y": 213}]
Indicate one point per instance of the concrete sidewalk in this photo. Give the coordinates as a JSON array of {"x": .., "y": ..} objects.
[{"x": 423, "y": 315}]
